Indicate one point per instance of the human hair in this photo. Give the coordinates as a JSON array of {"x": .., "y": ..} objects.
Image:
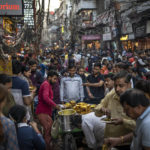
[
  {"x": 78, "y": 69},
  {"x": 25, "y": 69},
  {"x": 122, "y": 65},
  {"x": 17, "y": 113},
  {"x": 109, "y": 75},
  {"x": 123, "y": 74},
  {"x": 16, "y": 67},
  {"x": 3, "y": 96},
  {"x": 64, "y": 71},
  {"x": 97, "y": 65},
  {"x": 143, "y": 85},
  {"x": 134, "y": 97},
  {"x": 71, "y": 66},
  {"x": 4, "y": 78},
  {"x": 32, "y": 62},
  {"x": 52, "y": 73}
]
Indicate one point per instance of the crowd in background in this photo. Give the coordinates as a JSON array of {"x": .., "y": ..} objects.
[{"x": 80, "y": 75}]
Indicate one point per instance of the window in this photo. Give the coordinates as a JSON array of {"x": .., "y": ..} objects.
[{"x": 106, "y": 4}]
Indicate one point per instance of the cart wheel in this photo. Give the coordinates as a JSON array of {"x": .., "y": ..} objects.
[{"x": 69, "y": 142}]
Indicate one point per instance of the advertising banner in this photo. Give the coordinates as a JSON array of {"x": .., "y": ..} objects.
[
  {"x": 11, "y": 7},
  {"x": 90, "y": 37}
]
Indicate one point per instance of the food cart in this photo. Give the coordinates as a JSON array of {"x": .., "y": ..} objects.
[{"x": 70, "y": 120}]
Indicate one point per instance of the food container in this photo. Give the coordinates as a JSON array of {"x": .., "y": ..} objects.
[{"x": 66, "y": 117}]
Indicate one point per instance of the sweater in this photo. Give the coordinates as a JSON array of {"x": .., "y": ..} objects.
[{"x": 45, "y": 98}]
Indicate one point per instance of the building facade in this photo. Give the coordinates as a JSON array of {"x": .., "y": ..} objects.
[{"x": 105, "y": 24}]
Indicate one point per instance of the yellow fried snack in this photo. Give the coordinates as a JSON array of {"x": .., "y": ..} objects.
[
  {"x": 93, "y": 106},
  {"x": 82, "y": 108},
  {"x": 73, "y": 103},
  {"x": 67, "y": 105}
]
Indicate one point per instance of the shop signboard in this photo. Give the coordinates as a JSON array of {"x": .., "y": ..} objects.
[
  {"x": 140, "y": 31},
  {"x": 29, "y": 13},
  {"x": 126, "y": 28},
  {"x": 91, "y": 37},
  {"x": 107, "y": 37},
  {"x": 11, "y": 7},
  {"x": 124, "y": 38},
  {"x": 131, "y": 36},
  {"x": 148, "y": 27}
]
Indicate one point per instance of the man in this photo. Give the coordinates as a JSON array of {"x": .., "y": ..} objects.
[
  {"x": 81, "y": 73},
  {"x": 71, "y": 87},
  {"x": 109, "y": 82},
  {"x": 95, "y": 85},
  {"x": 136, "y": 106},
  {"x": 92, "y": 125},
  {"x": 36, "y": 76},
  {"x": 20, "y": 88},
  {"x": 7, "y": 82},
  {"x": 45, "y": 106},
  {"x": 121, "y": 124}
]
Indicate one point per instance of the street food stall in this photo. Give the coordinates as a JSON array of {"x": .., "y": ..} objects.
[{"x": 70, "y": 119}]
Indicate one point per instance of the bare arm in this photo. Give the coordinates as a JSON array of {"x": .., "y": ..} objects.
[
  {"x": 27, "y": 100},
  {"x": 115, "y": 141},
  {"x": 89, "y": 92}
]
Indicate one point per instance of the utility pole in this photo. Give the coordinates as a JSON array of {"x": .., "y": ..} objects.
[
  {"x": 118, "y": 24},
  {"x": 49, "y": 1}
]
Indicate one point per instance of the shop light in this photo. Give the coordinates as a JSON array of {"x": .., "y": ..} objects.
[{"x": 124, "y": 38}]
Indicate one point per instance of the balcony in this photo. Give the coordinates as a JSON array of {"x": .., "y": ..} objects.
[{"x": 86, "y": 5}]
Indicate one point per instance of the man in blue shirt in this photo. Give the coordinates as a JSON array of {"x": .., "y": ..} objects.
[
  {"x": 136, "y": 105},
  {"x": 20, "y": 88}
]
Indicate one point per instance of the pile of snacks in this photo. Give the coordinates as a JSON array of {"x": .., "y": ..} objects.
[{"x": 81, "y": 108}]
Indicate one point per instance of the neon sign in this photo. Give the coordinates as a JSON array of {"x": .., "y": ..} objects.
[{"x": 11, "y": 7}]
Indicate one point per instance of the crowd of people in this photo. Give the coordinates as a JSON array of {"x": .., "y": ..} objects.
[{"x": 117, "y": 82}]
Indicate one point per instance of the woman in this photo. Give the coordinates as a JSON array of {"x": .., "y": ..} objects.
[
  {"x": 26, "y": 73},
  {"x": 8, "y": 137},
  {"x": 29, "y": 137}
]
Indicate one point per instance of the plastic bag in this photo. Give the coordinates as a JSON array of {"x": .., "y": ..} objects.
[{"x": 55, "y": 128}]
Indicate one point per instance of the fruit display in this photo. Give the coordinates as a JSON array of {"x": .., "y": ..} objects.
[{"x": 81, "y": 108}]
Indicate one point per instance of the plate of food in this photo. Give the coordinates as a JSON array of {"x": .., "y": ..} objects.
[{"x": 106, "y": 120}]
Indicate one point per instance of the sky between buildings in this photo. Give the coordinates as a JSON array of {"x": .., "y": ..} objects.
[{"x": 53, "y": 5}]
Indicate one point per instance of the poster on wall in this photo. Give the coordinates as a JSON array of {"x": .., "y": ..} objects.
[{"x": 11, "y": 7}]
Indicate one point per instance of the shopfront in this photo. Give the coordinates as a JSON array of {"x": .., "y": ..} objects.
[
  {"x": 142, "y": 35},
  {"x": 140, "y": 39},
  {"x": 91, "y": 41},
  {"x": 128, "y": 42}
]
